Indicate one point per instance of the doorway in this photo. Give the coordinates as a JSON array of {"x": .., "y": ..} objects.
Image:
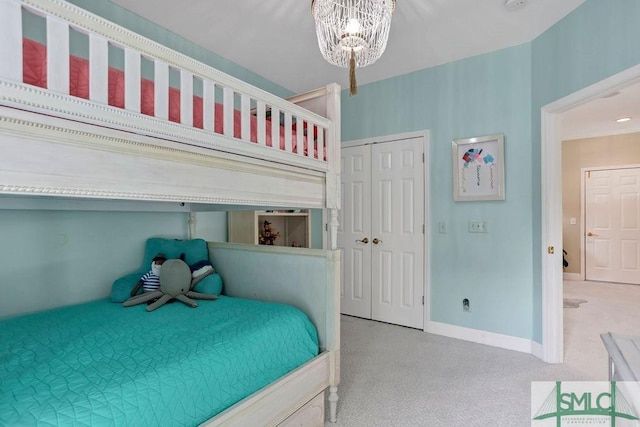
[
  {"x": 382, "y": 230},
  {"x": 551, "y": 350}
]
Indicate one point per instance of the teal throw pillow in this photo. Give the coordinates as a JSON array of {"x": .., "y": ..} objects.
[{"x": 212, "y": 284}]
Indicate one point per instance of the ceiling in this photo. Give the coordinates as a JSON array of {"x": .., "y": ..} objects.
[
  {"x": 598, "y": 117},
  {"x": 276, "y": 39}
]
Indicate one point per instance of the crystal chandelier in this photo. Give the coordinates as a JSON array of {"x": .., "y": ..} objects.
[{"x": 352, "y": 33}]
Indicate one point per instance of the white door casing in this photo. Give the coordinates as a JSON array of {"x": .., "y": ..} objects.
[
  {"x": 551, "y": 347},
  {"x": 384, "y": 193},
  {"x": 612, "y": 224}
]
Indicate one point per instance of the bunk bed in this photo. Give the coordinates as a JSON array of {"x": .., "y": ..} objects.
[{"x": 79, "y": 127}]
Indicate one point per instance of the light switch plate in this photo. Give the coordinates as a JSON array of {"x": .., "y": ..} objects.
[{"x": 477, "y": 226}]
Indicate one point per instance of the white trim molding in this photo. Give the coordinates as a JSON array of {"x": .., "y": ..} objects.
[
  {"x": 537, "y": 350},
  {"x": 387, "y": 138},
  {"x": 492, "y": 339}
]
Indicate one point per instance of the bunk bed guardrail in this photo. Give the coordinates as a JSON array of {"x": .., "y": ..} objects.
[{"x": 251, "y": 118}]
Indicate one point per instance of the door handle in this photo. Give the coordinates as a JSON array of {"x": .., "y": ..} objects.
[
  {"x": 376, "y": 241},
  {"x": 365, "y": 240},
  {"x": 590, "y": 234}
]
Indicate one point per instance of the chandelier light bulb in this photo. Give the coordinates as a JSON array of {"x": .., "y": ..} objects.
[{"x": 353, "y": 26}]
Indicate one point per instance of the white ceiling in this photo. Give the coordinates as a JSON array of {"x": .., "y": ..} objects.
[
  {"x": 598, "y": 117},
  {"x": 276, "y": 39}
]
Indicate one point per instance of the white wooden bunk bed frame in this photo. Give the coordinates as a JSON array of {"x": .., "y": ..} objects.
[{"x": 68, "y": 148}]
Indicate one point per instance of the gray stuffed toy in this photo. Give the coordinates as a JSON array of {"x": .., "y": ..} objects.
[{"x": 175, "y": 283}]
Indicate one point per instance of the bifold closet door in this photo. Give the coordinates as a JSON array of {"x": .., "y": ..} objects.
[
  {"x": 354, "y": 231},
  {"x": 381, "y": 232},
  {"x": 397, "y": 218}
]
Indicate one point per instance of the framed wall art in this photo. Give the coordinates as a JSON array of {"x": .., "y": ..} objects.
[{"x": 478, "y": 168}]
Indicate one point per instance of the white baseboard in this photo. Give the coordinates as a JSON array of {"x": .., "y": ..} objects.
[
  {"x": 571, "y": 276},
  {"x": 536, "y": 350},
  {"x": 508, "y": 342}
]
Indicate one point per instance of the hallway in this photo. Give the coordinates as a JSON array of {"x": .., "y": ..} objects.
[{"x": 610, "y": 307}]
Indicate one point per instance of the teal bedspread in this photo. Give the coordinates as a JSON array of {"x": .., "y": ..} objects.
[{"x": 102, "y": 364}]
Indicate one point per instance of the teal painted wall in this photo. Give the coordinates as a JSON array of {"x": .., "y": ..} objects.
[
  {"x": 499, "y": 92},
  {"x": 211, "y": 226},
  {"x": 55, "y": 258},
  {"x": 477, "y": 96},
  {"x": 317, "y": 229},
  {"x": 596, "y": 41}
]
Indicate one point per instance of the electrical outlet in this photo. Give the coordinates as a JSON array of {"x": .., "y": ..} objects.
[
  {"x": 476, "y": 226},
  {"x": 466, "y": 305}
]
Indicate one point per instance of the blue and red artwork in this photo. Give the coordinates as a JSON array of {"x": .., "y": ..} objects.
[
  {"x": 474, "y": 155},
  {"x": 480, "y": 178}
]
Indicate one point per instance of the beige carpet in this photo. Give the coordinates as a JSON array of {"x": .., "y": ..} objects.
[
  {"x": 395, "y": 376},
  {"x": 611, "y": 307}
]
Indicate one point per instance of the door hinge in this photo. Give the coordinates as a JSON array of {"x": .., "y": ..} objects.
[
  {"x": 422, "y": 299},
  {"x": 326, "y": 227},
  {"x": 422, "y": 157},
  {"x": 422, "y": 228}
]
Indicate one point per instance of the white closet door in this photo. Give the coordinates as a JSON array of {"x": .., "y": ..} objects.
[
  {"x": 397, "y": 218},
  {"x": 354, "y": 229},
  {"x": 612, "y": 225},
  {"x": 381, "y": 232}
]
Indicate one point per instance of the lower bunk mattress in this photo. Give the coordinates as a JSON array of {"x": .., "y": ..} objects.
[{"x": 102, "y": 364}]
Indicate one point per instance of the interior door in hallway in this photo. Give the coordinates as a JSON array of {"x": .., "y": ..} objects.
[
  {"x": 382, "y": 234},
  {"x": 612, "y": 225}
]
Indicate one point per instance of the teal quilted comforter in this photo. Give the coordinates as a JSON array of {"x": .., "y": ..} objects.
[{"x": 102, "y": 364}]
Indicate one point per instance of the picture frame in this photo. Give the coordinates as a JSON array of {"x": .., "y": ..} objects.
[{"x": 478, "y": 168}]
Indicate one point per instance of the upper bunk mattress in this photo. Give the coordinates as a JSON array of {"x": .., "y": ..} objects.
[{"x": 102, "y": 364}]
